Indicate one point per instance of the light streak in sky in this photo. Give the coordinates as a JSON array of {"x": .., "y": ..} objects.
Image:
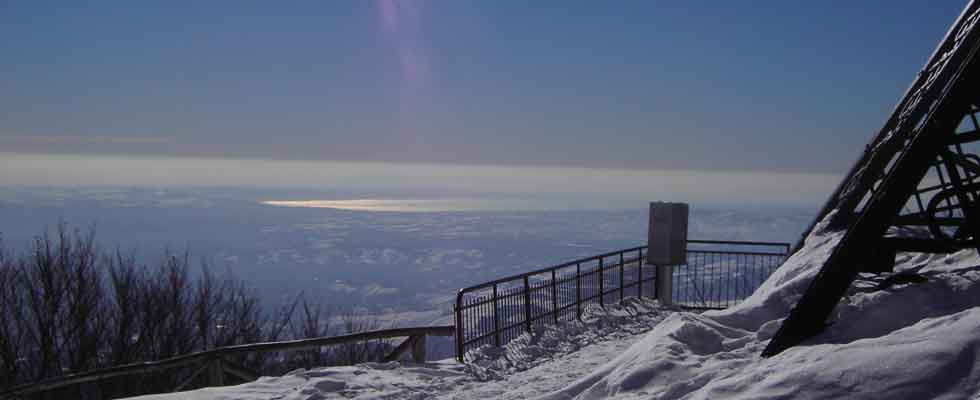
[{"x": 400, "y": 22}]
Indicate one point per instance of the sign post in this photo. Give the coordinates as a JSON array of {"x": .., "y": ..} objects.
[{"x": 667, "y": 244}]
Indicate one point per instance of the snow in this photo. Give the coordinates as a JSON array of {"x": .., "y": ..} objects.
[
  {"x": 908, "y": 341},
  {"x": 902, "y": 339},
  {"x": 530, "y": 365}
]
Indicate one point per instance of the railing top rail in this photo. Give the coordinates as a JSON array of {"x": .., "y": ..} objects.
[
  {"x": 547, "y": 269},
  {"x": 539, "y": 271},
  {"x": 740, "y": 243},
  {"x": 173, "y": 362},
  {"x": 735, "y": 252},
  {"x": 301, "y": 344}
]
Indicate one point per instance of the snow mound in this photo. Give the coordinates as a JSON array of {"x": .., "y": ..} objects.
[
  {"x": 392, "y": 380},
  {"x": 911, "y": 340}
]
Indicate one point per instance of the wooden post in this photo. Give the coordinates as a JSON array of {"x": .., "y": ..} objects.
[
  {"x": 418, "y": 348},
  {"x": 527, "y": 304},
  {"x": 193, "y": 376},
  {"x": 216, "y": 373}
]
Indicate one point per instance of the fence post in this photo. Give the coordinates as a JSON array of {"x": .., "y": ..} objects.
[
  {"x": 602, "y": 289},
  {"x": 418, "y": 349},
  {"x": 667, "y": 242},
  {"x": 527, "y": 304},
  {"x": 459, "y": 325},
  {"x": 665, "y": 283},
  {"x": 578, "y": 291},
  {"x": 496, "y": 318},
  {"x": 554, "y": 296},
  {"x": 639, "y": 259},
  {"x": 216, "y": 373},
  {"x": 639, "y": 265},
  {"x": 622, "y": 283},
  {"x": 639, "y": 281}
]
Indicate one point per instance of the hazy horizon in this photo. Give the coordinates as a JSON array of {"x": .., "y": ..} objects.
[{"x": 353, "y": 180}]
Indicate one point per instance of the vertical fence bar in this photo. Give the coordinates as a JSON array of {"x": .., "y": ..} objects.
[
  {"x": 578, "y": 291},
  {"x": 741, "y": 277},
  {"x": 602, "y": 289},
  {"x": 639, "y": 283},
  {"x": 554, "y": 296},
  {"x": 639, "y": 259},
  {"x": 496, "y": 318},
  {"x": 459, "y": 326},
  {"x": 621, "y": 282},
  {"x": 468, "y": 319},
  {"x": 527, "y": 304}
]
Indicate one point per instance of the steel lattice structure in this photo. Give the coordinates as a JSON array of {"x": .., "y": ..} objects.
[{"x": 915, "y": 188}]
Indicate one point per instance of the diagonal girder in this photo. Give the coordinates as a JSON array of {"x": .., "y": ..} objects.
[{"x": 916, "y": 138}]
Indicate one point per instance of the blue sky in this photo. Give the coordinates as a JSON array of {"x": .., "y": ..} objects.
[{"x": 771, "y": 86}]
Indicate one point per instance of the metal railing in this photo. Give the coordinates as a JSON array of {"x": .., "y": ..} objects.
[
  {"x": 717, "y": 274},
  {"x": 213, "y": 366},
  {"x": 720, "y": 274},
  {"x": 498, "y": 311}
]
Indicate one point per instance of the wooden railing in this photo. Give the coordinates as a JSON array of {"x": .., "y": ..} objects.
[
  {"x": 215, "y": 365},
  {"x": 717, "y": 274}
]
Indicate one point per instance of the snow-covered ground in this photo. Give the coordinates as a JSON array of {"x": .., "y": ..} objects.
[
  {"x": 529, "y": 366},
  {"x": 909, "y": 340}
]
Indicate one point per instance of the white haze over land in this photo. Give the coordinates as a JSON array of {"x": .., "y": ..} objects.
[
  {"x": 417, "y": 205},
  {"x": 570, "y": 187},
  {"x": 397, "y": 240}
]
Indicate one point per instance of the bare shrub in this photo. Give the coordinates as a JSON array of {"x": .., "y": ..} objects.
[{"x": 69, "y": 307}]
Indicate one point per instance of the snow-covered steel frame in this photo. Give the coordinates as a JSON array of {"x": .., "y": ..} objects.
[
  {"x": 915, "y": 188},
  {"x": 717, "y": 274}
]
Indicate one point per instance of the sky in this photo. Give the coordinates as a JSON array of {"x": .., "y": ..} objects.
[{"x": 720, "y": 86}]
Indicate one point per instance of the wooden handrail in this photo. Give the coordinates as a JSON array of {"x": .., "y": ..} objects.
[
  {"x": 302, "y": 344},
  {"x": 219, "y": 353}
]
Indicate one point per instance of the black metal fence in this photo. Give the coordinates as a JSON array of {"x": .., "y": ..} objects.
[
  {"x": 720, "y": 274},
  {"x": 717, "y": 274}
]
